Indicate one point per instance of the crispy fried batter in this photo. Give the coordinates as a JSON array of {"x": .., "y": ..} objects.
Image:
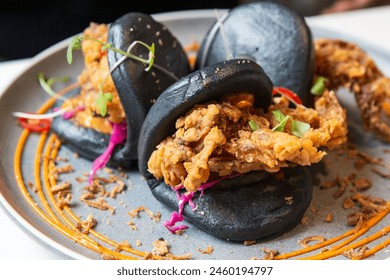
[
  {"x": 216, "y": 138},
  {"x": 346, "y": 65}
]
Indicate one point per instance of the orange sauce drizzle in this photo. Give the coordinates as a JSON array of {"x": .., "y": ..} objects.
[
  {"x": 64, "y": 220},
  {"x": 343, "y": 246}
]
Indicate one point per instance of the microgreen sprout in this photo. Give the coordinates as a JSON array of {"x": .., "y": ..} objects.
[
  {"x": 298, "y": 128},
  {"x": 104, "y": 97},
  {"x": 47, "y": 87},
  {"x": 47, "y": 84},
  {"x": 75, "y": 44}
]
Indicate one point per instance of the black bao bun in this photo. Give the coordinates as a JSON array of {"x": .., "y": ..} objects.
[
  {"x": 251, "y": 206},
  {"x": 137, "y": 88},
  {"x": 270, "y": 34}
]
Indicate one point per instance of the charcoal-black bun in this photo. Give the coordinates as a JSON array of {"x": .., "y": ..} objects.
[
  {"x": 137, "y": 88},
  {"x": 269, "y": 33},
  {"x": 252, "y": 206}
]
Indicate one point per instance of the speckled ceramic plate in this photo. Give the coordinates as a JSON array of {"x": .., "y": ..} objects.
[{"x": 37, "y": 213}]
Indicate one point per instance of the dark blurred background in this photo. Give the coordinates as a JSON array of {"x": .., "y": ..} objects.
[{"x": 29, "y": 26}]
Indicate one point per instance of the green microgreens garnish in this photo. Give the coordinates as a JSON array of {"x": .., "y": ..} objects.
[
  {"x": 102, "y": 99},
  {"x": 318, "y": 87},
  {"x": 47, "y": 84},
  {"x": 298, "y": 128},
  {"x": 253, "y": 125},
  {"x": 75, "y": 44}
]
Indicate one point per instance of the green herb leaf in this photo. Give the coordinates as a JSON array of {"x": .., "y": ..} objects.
[
  {"x": 298, "y": 128},
  {"x": 75, "y": 44},
  {"x": 318, "y": 87},
  {"x": 253, "y": 125},
  {"x": 282, "y": 119},
  {"x": 102, "y": 99},
  {"x": 101, "y": 103},
  {"x": 108, "y": 96}
]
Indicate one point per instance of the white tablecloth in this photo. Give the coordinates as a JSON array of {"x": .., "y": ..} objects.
[{"x": 368, "y": 24}]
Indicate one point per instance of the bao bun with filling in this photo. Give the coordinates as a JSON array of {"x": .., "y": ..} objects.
[
  {"x": 245, "y": 207},
  {"x": 134, "y": 89}
]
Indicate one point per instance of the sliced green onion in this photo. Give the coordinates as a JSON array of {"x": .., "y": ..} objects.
[
  {"x": 253, "y": 125},
  {"x": 318, "y": 87}
]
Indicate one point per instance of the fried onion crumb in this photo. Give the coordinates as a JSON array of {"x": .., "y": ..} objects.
[
  {"x": 86, "y": 225},
  {"x": 208, "y": 251},
  {"x": 269, "y": 254},
  {"x": 160, "y": 247},
  {"x": 315, "y": 238},
  {"x": 249, "y": 242},
  {"x": 135, "y": 213}
]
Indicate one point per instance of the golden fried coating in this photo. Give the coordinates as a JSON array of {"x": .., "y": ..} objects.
[
  {"x": 216, "y": 138},
  {"x": 346, "y": 65}
]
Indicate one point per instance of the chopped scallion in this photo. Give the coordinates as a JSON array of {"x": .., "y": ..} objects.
[
  {"x": 318, "y": 87},
  {"x": 253, "y": 125}
]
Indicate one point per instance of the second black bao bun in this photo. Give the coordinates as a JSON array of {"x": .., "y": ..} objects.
[{"x": 269, "y": 33}]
